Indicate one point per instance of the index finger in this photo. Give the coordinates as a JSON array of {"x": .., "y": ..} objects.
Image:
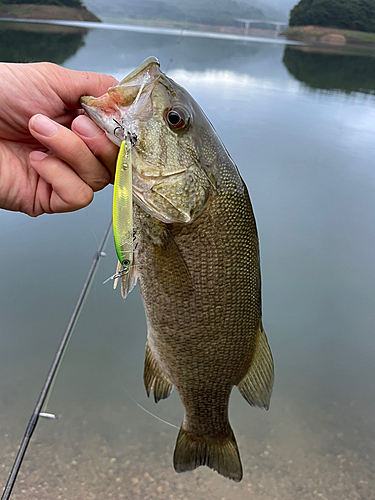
[{"x": 70, "y": 85}]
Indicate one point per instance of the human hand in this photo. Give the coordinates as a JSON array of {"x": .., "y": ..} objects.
[{"x": 32, "y": 181}]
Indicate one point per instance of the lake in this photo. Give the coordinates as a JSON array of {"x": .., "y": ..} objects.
[{"x": 300, "y": 125}]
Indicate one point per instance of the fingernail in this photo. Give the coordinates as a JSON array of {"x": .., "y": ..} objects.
[
  {"x": 44, "y": 126},
  {"x": 37, "y": 155},
  {"x": 85, "y": 127}
]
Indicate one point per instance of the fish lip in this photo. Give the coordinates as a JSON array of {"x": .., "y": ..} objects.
[
  {"x": 115, "y": 116},
  {"x": 146, "y": 64},
  {"x": 91, "y": 112}
]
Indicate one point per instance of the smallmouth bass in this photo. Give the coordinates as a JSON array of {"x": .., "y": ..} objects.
[{"x": 196, "y": 259}]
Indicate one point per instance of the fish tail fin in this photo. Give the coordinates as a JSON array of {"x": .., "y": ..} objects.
[{"x": 220, "y": 454}]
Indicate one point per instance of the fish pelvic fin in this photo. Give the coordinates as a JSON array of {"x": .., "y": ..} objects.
[
  {"x": 220, "y": 454},
  {"x": 154, "y": 378},
  {"x": 256, "y": 385}
]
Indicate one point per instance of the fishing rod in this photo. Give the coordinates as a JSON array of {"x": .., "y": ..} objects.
[{"x": 39, "y": 410}]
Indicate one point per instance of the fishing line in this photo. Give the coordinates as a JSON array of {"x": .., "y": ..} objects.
[
  {"x": 91, "y": 225},
  {"x": 120, "y": 273},
  {"x": 178, "y": 45},
  {"x": 142, "y": 407},
  {"x": 39, "y": 410}
]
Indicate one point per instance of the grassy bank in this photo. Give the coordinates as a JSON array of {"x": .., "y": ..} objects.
[{"x": 329, "y": 36}]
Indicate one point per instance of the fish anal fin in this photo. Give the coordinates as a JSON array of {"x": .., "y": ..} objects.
[
  {"x": 154, "y": 378},
  {"x": 256, "y": 385},
  {"x": 220, "y": 454}
]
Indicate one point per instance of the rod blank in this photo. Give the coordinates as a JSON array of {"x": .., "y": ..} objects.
[{"x": 39, "y": 409}]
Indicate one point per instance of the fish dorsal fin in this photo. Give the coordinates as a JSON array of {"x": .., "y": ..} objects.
[
  {"x": 154, "y": 378},
  {"x": 256, "y": 385}
]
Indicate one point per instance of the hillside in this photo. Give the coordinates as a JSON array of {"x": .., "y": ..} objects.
[
  {"x": 319, "y": 36},
  {"x": 343, "y": 14},
  {"x": 277, "y": 10},
  {"x": 72, "y": 10},
  {"x": 210, "y": 12}
]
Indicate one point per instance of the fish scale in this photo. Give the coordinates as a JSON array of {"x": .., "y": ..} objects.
[{"x": 197, "y": 264}]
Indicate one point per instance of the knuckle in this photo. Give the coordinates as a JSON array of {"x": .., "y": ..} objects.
[
  {"x": 83, "y": 197},
  {"x": 100, "y": 182}
]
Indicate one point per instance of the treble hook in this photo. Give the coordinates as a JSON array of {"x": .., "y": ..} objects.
[
  {"x": 122, "y": 270},
  {"x": 119, "y": 127}
]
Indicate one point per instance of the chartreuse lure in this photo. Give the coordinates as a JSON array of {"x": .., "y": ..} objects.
[{"x": 123, "y": 207}]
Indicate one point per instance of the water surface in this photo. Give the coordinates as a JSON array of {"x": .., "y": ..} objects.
[{"x": 302, "y": 135}]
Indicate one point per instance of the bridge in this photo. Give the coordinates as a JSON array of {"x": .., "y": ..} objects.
[{"x": 249, "y": 22}]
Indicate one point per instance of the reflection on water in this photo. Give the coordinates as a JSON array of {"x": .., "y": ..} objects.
[
  {"x": 23, "y": 43},
  {"x": 345, "y": 73},
  {"x": 307, "y": 159}
]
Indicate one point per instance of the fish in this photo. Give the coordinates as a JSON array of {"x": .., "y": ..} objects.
[{"x": 196, "y": 260}]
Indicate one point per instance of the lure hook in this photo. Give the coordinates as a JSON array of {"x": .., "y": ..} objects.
[
  {"x": 119, "y": 274},
  {"x": 119, "y": 126}
]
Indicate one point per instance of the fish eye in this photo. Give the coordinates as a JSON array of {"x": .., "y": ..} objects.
[{"x": 177, "y": 118}]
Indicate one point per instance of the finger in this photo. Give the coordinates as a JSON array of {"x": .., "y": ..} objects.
[
  {"x": 62, "y": 190},
  {"x": 67, "y": 146},
  {"x": 70, "y": 85},
  {"x": 97, "y": 141}
]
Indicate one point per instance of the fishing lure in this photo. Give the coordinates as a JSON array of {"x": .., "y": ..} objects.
[{"x": 123, "y": 207}]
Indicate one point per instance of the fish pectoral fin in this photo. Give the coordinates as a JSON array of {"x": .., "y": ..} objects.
[
  {"x": 220, "y": 454},
  {"x": 256, "y": 385},
  {"x": 154, "y": 378}
]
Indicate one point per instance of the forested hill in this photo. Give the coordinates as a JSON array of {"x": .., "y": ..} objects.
[
  {"x": 345, "y": 14},
  {"x": 211, "y": 12},
  {"x": 66, "y": 3},
  {"x": 46, "y": 9}
]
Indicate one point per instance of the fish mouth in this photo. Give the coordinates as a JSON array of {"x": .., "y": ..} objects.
[
  {"x": 150, "y": 65},
  {"x": 118, "y": 111}
]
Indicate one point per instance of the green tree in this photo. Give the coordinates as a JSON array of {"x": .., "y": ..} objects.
[{"x": 345, "y": 14}]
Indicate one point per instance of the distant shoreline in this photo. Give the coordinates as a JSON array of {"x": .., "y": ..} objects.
[
  {"x": 33, "y": 11},
  {"x": 151, "y": 29},
  {"x": 54, "y": 12},
  {"x": 211, "y": 28},
  {"x": 318, "y": 35}
]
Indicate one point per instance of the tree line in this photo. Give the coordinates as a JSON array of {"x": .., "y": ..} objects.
[{"x": 344, "y": 14}]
